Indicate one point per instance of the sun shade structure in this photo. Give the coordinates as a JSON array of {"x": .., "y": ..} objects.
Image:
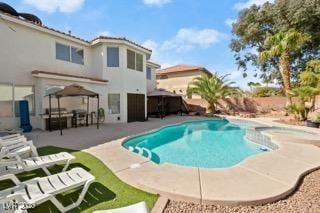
[
  {"x": 162, "y": 93},
  {"x": 162, "y": 102},
  {"x": 73, "y": 90}
]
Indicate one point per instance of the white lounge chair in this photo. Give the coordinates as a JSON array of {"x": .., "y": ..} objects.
[
  {"x": 10, "y": 137},
  {"x": 39, "y": 190},
  {"x": 19, "y": 146},
  {"x": 140, "y": 207},
  {"x": 15, "y": 164}
]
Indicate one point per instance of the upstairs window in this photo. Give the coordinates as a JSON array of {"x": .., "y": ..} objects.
[
  {"x": 68, "y": 53},
  {"x": 131, "y": 61},
  {"x": 139, "y": 62},
  {"x": 77, "y": 55},
  {"x": 134, "y": 60},
  {"x": 112, "y": 57},
  {"x": 62, "y": 52},
  {"x": 149, "y": 73}
]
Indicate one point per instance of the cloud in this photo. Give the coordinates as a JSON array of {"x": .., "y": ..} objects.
[
  {"x": 171, "y": 51},
  {"x": 229, "y": 22},
  {"x": 50, "y": 6},
  {"x": 156, "y": 3},
  {"x": 188, "y": 38},
  {"x": 104, "y": 33},
  {"x": 249, "y": 3}
]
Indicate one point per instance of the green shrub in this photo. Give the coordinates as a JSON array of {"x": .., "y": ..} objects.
[{"x": 266, "y": 91}]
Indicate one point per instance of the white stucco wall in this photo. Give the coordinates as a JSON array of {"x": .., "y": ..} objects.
[
  {"x": 152, "y": 83},
  {"x": 24, "y": 49}
]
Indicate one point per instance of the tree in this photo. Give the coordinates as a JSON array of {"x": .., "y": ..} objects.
[
  {"x": 254, "y": 23},
  {"x": 281, "y": 46},
  {"x": 313, "y": 66},
  {"x": 212, "y": 89},
  {"x": 309, "y": 87},
  {"x": 251, "y": 85},
  {"x": 304, "y": 94}
]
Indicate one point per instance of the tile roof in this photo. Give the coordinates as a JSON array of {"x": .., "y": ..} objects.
[
  {"x": 72, "y": 36},
  {"x": 182, "y": 68},
  {"x": 35, "y": 72},
  {"x": 121, "y": 39}
]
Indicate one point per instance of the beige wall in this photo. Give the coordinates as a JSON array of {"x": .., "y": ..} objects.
[{"x": 178, "y": 82}]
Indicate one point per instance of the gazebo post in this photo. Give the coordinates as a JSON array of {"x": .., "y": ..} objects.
[
  {"x": 50, "y": 129},
  {"x": 87, "y": 117},
  {"x": 98, "y": 112},
  {"x": 162, "y": 108},
  {"x": 59, "y": 111}
]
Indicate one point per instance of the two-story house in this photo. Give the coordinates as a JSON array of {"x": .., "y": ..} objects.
[
  {"x": 36, "y": 59},
  {"x": 177, "y": 78}
]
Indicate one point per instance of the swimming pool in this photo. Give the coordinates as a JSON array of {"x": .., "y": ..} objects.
[{"x": 207, "y": 144}]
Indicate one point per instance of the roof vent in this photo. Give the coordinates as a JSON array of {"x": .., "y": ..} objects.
[{"x": 5, "y": 8}]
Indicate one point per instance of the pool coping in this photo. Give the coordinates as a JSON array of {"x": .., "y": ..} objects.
[{"x": 258, "y": 179}]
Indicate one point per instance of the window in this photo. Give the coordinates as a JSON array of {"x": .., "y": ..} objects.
[
  {"x": 24, "y": 93},
  {"x": 77, "y": 55},
  {"x": 114, "y": 103},
  {"x": 134, "y": 60},
  {"x": 6, "y": 100},
  {"x": 10, "y": 97},
  {"x": 139, "y": 62},
  {"x": 68, "y": 53},
  {"x": 131, "y": 60},
  {"x": 149, "y": 73},
  {"x": 62, "y": 52},
  {"x": 112, "y": 57}
]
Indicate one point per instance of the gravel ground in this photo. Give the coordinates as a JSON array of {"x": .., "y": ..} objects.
[{"x": 305, "y": 200}]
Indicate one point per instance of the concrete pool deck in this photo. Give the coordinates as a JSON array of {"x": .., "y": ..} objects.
[{"x": 256, "y": 180}]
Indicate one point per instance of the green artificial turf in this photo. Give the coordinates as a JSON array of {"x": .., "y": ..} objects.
[{"x": 106, "y": 192}]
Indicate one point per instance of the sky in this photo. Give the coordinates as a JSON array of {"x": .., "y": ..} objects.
[{"x": 195, "y": 32}]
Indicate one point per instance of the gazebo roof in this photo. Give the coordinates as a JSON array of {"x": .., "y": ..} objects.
[
  {"x": 162, "y": 93},
  {"x": 74, "y": 90}
]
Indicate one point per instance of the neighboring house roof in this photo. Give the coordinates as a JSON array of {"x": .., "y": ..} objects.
[
  {"x": 38, "y": 73},
  {"x": 9, "y": 17},
  {"x": 182, "y": 68}
]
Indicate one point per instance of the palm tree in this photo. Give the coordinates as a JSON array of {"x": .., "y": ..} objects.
[
  {"x": 212, "y": 88},
  {"x": 282, "y": 45}
]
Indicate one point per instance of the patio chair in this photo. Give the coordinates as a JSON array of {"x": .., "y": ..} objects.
[
  {"x": 140, "y": 207},
  {"x": 39, "y": 190},
  {"x": 15, "y": 164}
]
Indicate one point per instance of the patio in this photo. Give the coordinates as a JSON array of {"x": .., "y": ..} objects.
[{"x": 83, "y": 138}]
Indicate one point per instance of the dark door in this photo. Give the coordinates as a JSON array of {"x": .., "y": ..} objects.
[{"x": 136, "y": 107}]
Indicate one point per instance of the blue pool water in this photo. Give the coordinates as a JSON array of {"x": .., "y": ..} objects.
[{"x": 208, "y": 144}]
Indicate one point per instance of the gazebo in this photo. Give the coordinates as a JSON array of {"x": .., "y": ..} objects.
[
  {"x": 72, "y": 91},
  {"x": 163, "y": 102}
]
